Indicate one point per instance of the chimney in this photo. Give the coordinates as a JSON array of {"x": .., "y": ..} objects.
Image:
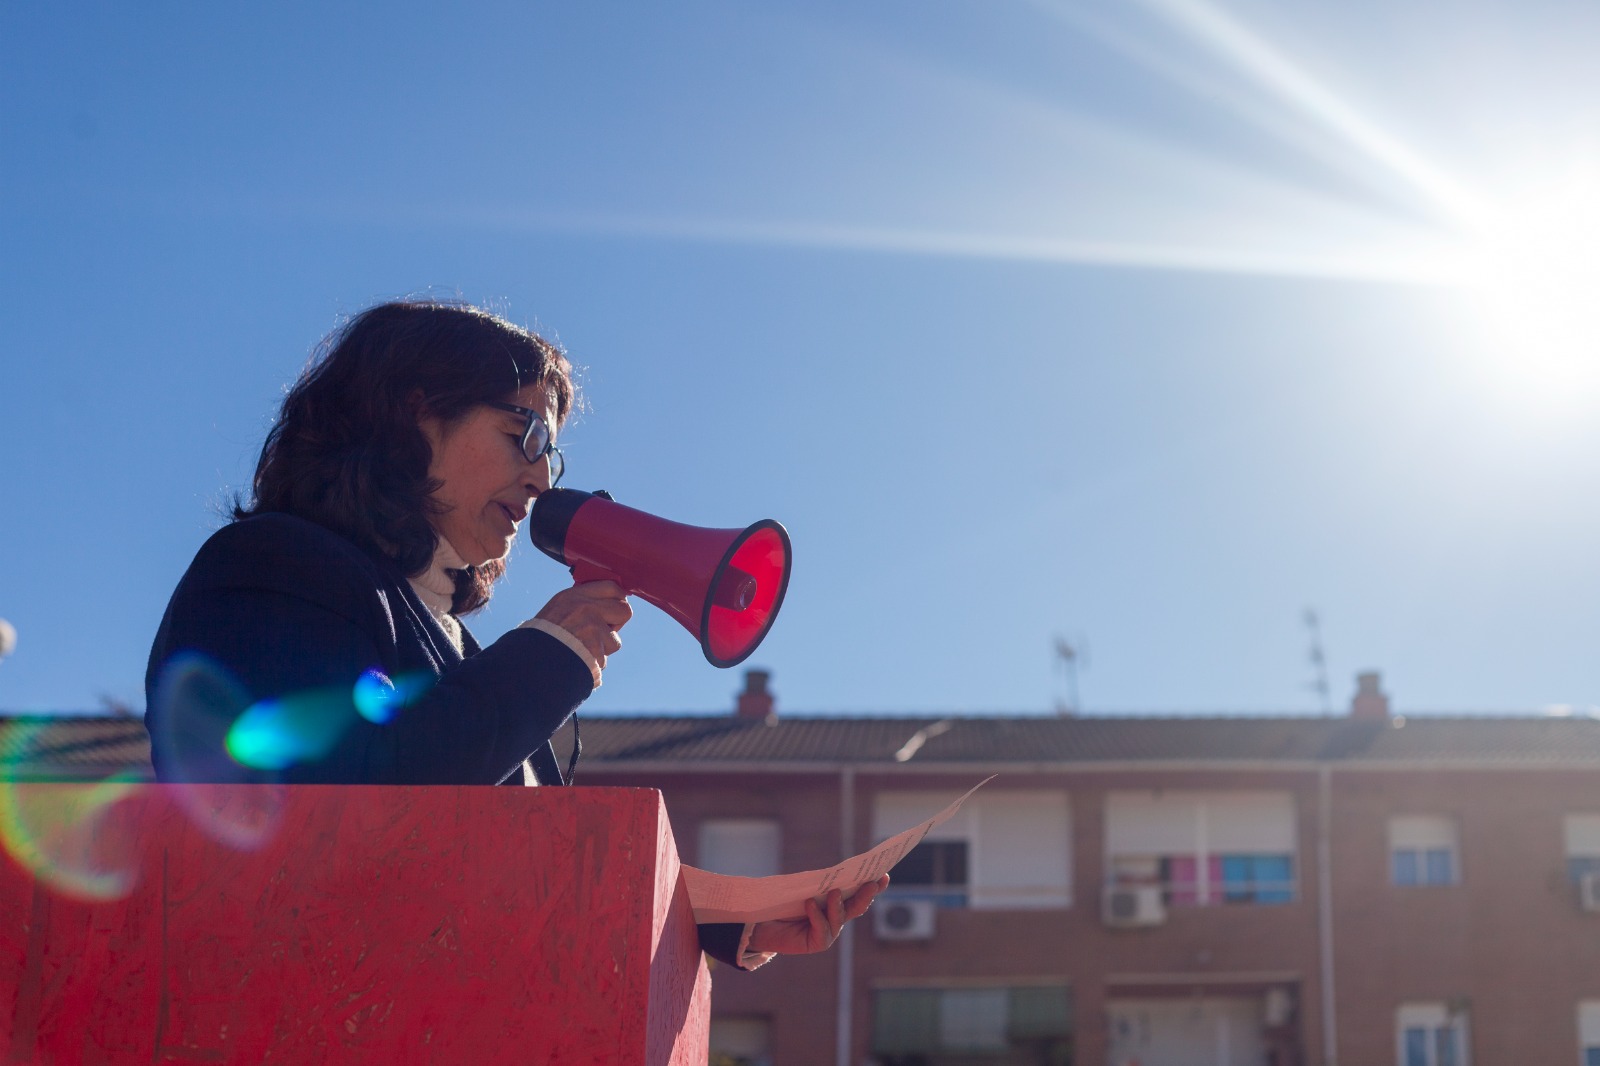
[
  {"x": 755, "y": 702},
  {"x": 1370, "y": 702}
]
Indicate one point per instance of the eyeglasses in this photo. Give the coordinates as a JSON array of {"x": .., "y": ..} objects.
[{"x": 537, "y": 440}]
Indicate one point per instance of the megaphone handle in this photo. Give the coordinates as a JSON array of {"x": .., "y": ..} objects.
[{"x": 582, "y": 572}]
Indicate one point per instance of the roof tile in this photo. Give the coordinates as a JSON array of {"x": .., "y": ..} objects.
[{"x": 90, "y": 747}]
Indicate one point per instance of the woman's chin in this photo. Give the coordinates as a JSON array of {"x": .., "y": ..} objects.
[
  {"x": 489, "y": 545},
  {"x": 478, "y": 554},
  {"x": 495, "y": 551}
]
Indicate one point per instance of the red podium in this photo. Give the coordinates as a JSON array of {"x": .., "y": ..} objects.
[{"x": 164, "y": 923}]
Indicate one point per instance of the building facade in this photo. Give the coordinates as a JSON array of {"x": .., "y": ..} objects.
[{"x": 1359, "y": 890}]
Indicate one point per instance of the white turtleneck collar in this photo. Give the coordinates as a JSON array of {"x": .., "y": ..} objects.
[{"x": 436, "y": 587}]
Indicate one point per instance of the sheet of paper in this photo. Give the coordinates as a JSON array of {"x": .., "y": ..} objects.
[{"x": 725, "y": 898}]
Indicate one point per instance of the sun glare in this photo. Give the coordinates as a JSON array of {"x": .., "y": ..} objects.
[
  {"x": 1514, "y": 277},
  {"x": 1534, "y": 272}
]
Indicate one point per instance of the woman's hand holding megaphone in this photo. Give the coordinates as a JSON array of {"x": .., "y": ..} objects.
[{"x": 592, "y": 612}]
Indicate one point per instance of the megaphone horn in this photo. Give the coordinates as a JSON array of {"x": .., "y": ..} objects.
[{"x": 723, "y": 585}]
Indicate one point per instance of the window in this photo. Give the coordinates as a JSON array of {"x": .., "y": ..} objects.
[
  {"x": 1187, "y": 1030},
  {"x": 1257, "y": 878},
  {"x": 1422, "y": 851},
  {"x": 1007, "y": 850},
  {"x": 1589, "y": 1032},
  {"x": 936, "y": 870},
  {"x": 1203, "y": 849},
  {"x": 1582, "y": 832},
  {"x": 745, "y": 847},
  {"x": 973, "y": 1019},
  {"x": 1431, "y": 1034},
  {"x": 997, "y": 1025},
  {"x": 740, "y": 1042}
]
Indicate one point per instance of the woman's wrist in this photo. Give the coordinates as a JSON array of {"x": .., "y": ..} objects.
[{"x": 544, "y": 625}]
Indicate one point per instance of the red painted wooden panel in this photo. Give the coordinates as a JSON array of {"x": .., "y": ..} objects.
[{"x": 355, "y": 924}]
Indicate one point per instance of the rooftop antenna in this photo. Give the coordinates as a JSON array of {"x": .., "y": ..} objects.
[
  {"x": 1068, "y": 655},
  {"x": 1319, "y": 661}
]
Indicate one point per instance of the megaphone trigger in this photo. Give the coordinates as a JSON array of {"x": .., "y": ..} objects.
[{"x": 581, "y": 574}]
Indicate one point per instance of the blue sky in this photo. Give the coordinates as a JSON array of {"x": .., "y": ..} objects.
[{"x": 1149, "y": 324}]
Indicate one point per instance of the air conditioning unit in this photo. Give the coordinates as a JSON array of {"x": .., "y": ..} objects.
[
  {"x": 1126, "y": 906},
  {"x": 1589, "y": 891},
  {"x": 904, "y": 919}
]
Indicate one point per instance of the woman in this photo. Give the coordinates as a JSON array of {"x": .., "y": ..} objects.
[{"x": 318, "y": 638}]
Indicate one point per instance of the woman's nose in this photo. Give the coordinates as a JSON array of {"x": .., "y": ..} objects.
[{"x": 537, "y": 476}]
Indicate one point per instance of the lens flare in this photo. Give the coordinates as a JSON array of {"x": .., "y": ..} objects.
[
  {"x": 302, "y": 727},
  {"x": 78, "y": 839},
  {"x": 306, "y": 726},
  {"x": 378, "y": 699},
  {"x": 195, "y": 706},
  {"x": 207, "y": 734},
  {"x": 242, "y": 818},
  {"x": 196, "y": 703}
]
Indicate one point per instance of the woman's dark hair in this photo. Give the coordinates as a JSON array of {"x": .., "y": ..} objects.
[{"x": 346, "y": 451}]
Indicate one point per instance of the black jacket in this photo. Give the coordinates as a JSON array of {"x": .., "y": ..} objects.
[
  {"x": 278, "y": 608},
  {"x": 276, "y": 623}
]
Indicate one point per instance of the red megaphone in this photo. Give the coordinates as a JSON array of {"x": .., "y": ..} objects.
[{"x": 723, "y": 585}]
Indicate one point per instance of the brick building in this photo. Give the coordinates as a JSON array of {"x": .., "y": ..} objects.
[{"x": 1364, "y": 889}]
